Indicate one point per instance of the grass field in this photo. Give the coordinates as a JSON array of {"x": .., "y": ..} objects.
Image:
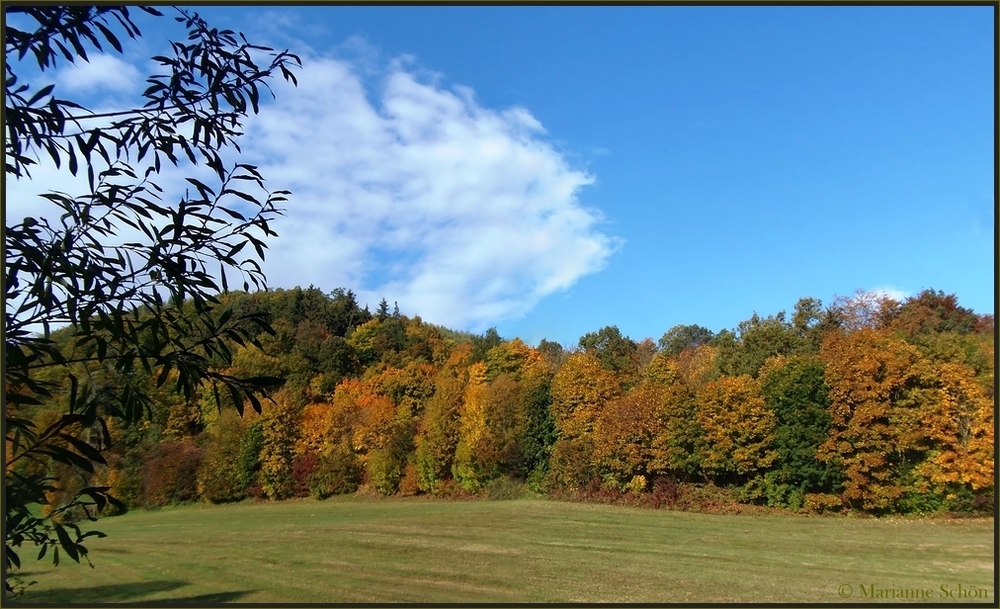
[{"x": 412, "y": 550}]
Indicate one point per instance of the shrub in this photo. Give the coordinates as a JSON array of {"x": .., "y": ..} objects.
[
  {"x": 450, "y": 489},
  {"x": 170, "y": 474},
  {"x": 537, "y": 481},
  {"x": 665, "y": 493},
  {"x": 819, "y": 503},
  {"x": 384, "y": 471},
  {"x": 303, "y": 466},
  {"x": 637, "y": 484},
  {"x": 337, "y": 472},
  {"x": 984, "y": 502},
  {"x": 504, "y": 488},
  {"x": 410, "y": 484},
  {"x": 769, "y": 490}
]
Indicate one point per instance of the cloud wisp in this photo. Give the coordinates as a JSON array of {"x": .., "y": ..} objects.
[
  {"x": 465, "y": 215},
  {"x": 100, "y": 73}
]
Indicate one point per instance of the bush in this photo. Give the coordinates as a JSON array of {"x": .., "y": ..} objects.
[
  {"x": 596, "y": 492},
  {"x": 665, "y": 493},
  {"x": 303, "y": 466},
  {"x": 337, "y": 472},
  {"x": 410, "y": 484},
  {"x": 636, "y": 485},
  {"x": 819, "y": 503},
  {"x": 570, "y": 467},
  {"x": 767, "y": 490},
  {"x": 538, "y": 480},
  {"x": 450, "y": 489},
  {"x": 170, "y": 474},
  {"x": 504, "y": 488},
  {"x": 384, "y": 471},
  {"x": 984, "y": 502}
]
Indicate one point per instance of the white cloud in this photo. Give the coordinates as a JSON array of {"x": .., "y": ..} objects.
[
  {"x": 102, "y": 73},
  {"x": 889, "y": 291},
  {"x": 463, "y": 214}
]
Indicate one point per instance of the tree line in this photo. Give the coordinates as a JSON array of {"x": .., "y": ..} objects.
[{"x": 868, "y": 405}]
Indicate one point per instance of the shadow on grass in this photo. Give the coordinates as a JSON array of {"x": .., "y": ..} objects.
[
  {"x": 217, "y": 597},
  {"x": 126, "y": 593}
]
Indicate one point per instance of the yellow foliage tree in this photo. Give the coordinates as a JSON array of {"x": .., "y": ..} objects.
[
  {"x": 697, "y": 366},
  {"x": 438, "y": 433},
  {"x": 738, "y": 428},
  {"x": 280, "y": 431},
  {"x": 316, "y": 428},
  {"x": 958, "y": 421},
  {"x": 676, "y": 447},
  {"x": 580, "y": 389}
]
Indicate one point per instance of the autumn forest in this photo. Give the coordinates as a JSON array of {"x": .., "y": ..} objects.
[{"x": 868, "y": 405}]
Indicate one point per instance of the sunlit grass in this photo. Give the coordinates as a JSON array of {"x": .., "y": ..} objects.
[{"x": 398, "y": 550}]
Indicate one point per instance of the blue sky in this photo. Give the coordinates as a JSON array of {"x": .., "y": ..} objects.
[{"x": 552, "y": 170}]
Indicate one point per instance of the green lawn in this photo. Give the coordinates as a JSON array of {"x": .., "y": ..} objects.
[{"x": 396, "y": 550}]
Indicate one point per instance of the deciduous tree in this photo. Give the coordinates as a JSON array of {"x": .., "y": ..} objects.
[
  {"x": 681, "y": 337},
  {"x": 625, "y": 434},
  {"x": 796, "y": 392},
  {"x": 869, "y": 372},
  {"x": 738, "y": 428},
  {"x": 579, "y": 389}
]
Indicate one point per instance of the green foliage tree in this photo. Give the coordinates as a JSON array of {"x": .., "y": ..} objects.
[
  {"x": 123, "y": 300},
  {"x": 481, "y": 344},
  {"x": 756, "y": 340},
  {"x": 438, "y": 433},
  {"x": 811, "y": 322},
  {"x": 617, "y": 353},
  {"x": 539, "y": 427},
  {"x": 676, "y": 446},
  {"x": 552, "y": 352},
  {"x": 681, "y": 337},
  {"x": 799, "y": 397}
]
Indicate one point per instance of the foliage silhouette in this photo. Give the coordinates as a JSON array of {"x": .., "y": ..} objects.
[{"x": 135, "y": 278}]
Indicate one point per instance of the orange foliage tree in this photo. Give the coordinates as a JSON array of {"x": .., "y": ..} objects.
[
  {"x": 625, "y": 434},
  {"x": 874, "y": 426}
]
